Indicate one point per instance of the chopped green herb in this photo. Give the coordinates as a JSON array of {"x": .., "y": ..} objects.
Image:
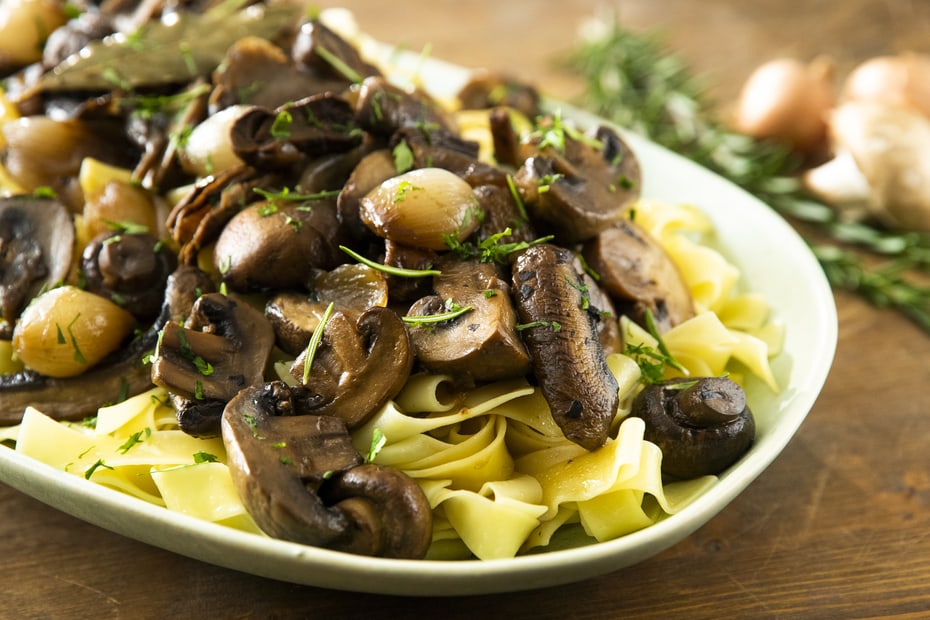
[
  {"x": 403, "y": 188},
  {"x": 314, "y": 343},
  {"x": 281, "y": 126},
  {"x": 454, "y": 311},
  {"x": 378, "y": 440},
  {"x": 134, "y": 439},
  {"x": 339, "y": 65},
  {"x": 90, "y": 470},
  {"x": 403, "y": 157},
  {"x": 394, "y": 271},
  {"x": 205, "y": 457}
]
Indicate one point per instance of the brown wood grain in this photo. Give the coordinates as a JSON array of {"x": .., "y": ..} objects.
[{"x": 837, "y": 527}]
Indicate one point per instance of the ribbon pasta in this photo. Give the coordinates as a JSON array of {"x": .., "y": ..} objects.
[{"x": 500, "y": 476}]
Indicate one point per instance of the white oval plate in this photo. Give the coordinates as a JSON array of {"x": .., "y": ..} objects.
[{"x": 774, "y": 261}]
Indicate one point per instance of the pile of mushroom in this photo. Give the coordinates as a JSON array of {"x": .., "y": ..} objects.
[
  {"x": 866, "y": 141},
  {"x": 318, "y": 215}
]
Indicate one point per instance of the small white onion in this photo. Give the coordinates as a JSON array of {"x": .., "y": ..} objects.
[
  {"x": 208, "y": 149},
  {"x": 421, "y": 208}
]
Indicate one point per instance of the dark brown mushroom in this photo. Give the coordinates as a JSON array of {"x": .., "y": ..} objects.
[
  {"x": 301, "y": 479},
  {"x": 500, "y": 211},
  {"x": 483, "y": 343},
  {"x": 702, "y": 425},
  {"x": 223, "y": 349},
  {"x": 258, "y": 72},
  {"x": 318, "y": 50},
  {"x": 294, "y": 317},
  {"x": 280, "y": 138},
  {"x": 639, "y": 275},
  {"x": 491, "y": 90},
  {"x": 561, "y": 336},
  {"x": 581, "y": 188},
  {"x": 373, "y": 169},
  {"x": 383, "y": 108},
  {"x": 129, "y": 269},
  {"x": 274, "y": 244},
  {"x": 433, "y": 147},
  {"x": 358, "y": 366},
  {"x": 36, "y": 241}
]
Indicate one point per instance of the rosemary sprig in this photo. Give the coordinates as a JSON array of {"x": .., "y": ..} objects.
[{"x": 632, "y": 80}]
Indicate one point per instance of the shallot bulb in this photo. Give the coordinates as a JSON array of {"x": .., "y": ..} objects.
[{"x": 787, "y": 101}]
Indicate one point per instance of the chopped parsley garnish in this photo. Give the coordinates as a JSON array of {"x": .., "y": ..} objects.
[
  {"x": 205, "y": 457},
  {"x": 378, "y": 440},
  {"x": 90, "y": 470},
  {"x": 281, "y": 126},
  {"x": 403, "y": 188},
  {"x": 403, "y": 157},
  {"x": 135, "y": 438},
  {"x": 492, "y": 250}
]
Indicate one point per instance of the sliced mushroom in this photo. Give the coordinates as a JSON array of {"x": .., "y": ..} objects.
[
  {"x": 310, "y": 127},
  {"x": 358, "y": 366},
  {"x": 351, "y": 289},
  {"x": 483, "y": 343},
  {"x": 36, "y": 245},
  {"x": 383, "y": 108},
  {"x": 562, "y": 339},
  {"x": 275, "y": 243},
  {"x": 373, "y": 169},
  {"x": 500, "y": 212},
  {"x": 491, "y": 90},
  {"x": 702, "y": 425},
  {"x": 639, "y": 275},
  {"x": 438, "y": 148},
  {"x": 258, "y": 72},
  {"x": 582, "y": 188},
  {"x": 301, "y": 479},
  {"x": 223, "y": 349},
  {"x": 129, "y": 269},
  {"x": 320, "y": 51}
]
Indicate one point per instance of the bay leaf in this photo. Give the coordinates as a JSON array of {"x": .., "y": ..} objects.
[{"x": 176, "y": 50}]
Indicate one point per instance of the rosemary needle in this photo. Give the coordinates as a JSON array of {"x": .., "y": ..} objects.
[{"x": 631, "y": 79}]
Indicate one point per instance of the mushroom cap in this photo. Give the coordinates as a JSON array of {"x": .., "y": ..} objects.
[
  {"x": 701, "y": 425},
  {"x": 889, "y": 145},
  {"x": 639, "y": 275},
  {"x": 37, "y": 237}
]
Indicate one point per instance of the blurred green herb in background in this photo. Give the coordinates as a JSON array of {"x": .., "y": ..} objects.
[{"x": 633, "y": 80}]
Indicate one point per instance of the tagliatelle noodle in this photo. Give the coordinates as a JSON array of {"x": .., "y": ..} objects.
[{"x": 499, "y": 474}]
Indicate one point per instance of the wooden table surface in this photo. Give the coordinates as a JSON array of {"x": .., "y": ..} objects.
[{"x": 837, "y": 527}]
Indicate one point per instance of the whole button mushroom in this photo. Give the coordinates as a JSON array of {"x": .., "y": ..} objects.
[
  {"x": 129, "y": 269},
  {"x": 701, "y": 425}
]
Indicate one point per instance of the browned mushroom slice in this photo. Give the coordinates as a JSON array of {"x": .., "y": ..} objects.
[
  {"x": 702, "y": 425},
  {"x": 373, "y": 169},
  {"x": 562, "y": 339},
  {"x": 438, "y": 148},
  {"x": 279, "y": 138},
  {"x": 482, "y": 343},
  {"x": 302, "y": 480},
  {"x": 490, "y": 90},
  {"x": 358, "y": 365},
  {"x": 258, "y": 72},
  {"x": 36, "y": 241},
  {"x": 637, "y": 272},
  {"x": 320, "y": 51},
  {"x": 582, "y": 188},
  {"x": 223, "y": 349},
  {"x": 403, "y": 289},
  {"x": 275, "y": 243},
  {"x": 501, "y": 212},
  {"x": 201, "y": 214},
  {"x": 383, "y": 108}
]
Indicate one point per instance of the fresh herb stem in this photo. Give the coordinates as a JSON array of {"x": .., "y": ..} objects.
[{"x": 632, "y": 80}]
